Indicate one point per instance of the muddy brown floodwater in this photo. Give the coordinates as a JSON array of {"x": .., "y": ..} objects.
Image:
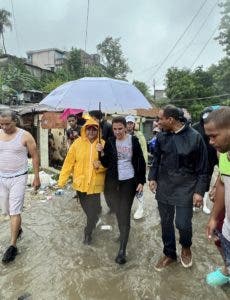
[{"x": 54, "y": 264}]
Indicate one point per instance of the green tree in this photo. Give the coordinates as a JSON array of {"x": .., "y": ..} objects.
[
  {"x": 221, "y": 76},
  {"x": 180, "y": 84},
  {"x": 4, "y": 23},
  {"x": 15, "y": 78},
  {"x": 224, "y": 34},
  {"x": 185, "y": 87},
  {"x": 144, "y": 89},
  {"x": 73, "y": 64},
  {"x": 113, "y": 59},
  {"x": 51, "y": 85},
  {"x": 95, "y": 71}
]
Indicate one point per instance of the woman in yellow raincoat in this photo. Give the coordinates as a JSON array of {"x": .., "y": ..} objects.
[{"x": 88, "y": 174}]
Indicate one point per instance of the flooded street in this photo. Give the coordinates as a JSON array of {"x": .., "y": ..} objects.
[{"x": 54, "y": 264}]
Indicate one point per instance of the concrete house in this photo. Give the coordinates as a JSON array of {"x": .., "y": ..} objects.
[{"x": 50, "y": 59}]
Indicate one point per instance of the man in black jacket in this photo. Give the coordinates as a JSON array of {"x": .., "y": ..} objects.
[{"x": 179, "y": 176}]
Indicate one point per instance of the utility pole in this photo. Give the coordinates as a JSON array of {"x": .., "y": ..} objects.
[{"x": 154, "y": 88}]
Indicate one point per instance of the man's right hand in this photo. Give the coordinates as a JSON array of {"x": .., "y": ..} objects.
[
  {"x": 153, "y": 185},
  {"x": 211, "y": 226}
]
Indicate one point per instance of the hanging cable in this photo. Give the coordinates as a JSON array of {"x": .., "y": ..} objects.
[
  {"x": 86, "y": 28},
  {"x": 201, "y": 98},
  {"x": 203, "y": 48},
  {"x": 15, "y": 27},
  {"x": 180, "y": 38},
  {"x": 196, "y": 34}
]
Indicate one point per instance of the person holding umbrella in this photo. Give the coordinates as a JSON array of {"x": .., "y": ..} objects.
[
  {"x": 88, "y": 174},
  {"x": 125, "y": 176},
  {"x": 106, "y": 132}
]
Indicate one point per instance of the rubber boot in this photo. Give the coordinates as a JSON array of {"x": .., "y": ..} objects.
[
  {"x": 87, "y": 237},
  {"x": 121, "y": 256}
]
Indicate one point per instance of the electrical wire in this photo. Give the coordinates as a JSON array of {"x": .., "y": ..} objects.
[
  {"x": 196, "y": 34},
  {"x": 201, "y": 98},
  {"x": 180, "y": 38},
  {"x": 15, "y": 27},
  {"x": 203, "y": 48},
  {"x": 87, "y": 22}
]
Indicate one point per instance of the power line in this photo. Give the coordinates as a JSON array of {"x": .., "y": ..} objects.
[
  {"x": 15, "y": 27},
  {"x": 87, "y": 21},
  {"x": 180, "y": 38},
  {"x": 196, "y": 34},
  {"x": 201, "y": 98},
  {"x": 203, "y": 48}
]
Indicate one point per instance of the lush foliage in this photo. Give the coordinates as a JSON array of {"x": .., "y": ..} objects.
[
  {"x": 15, "y": 78},
  {"x": 144, "y": 89},
  {"x": 112, "y": 58},
  {"x": 224, "y": 33},
  {"x": 4, "y": 23},
  {"x": 194, "y": 89}
]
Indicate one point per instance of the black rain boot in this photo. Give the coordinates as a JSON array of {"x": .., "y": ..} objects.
[
  {"x": 121, "y": 256},
  {"x": 87, "y": 239}
]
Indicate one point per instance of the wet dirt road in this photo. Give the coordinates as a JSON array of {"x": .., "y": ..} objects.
[{"x": 54, "y": 264}]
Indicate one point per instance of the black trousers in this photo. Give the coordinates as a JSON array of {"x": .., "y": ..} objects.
[
  {"x": 122, "y": 193},
  {"x": 183, "y": 222},
  {"x": 92, "y": 208}
]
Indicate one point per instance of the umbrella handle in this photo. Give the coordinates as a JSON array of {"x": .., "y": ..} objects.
[{"x": 99, "y": 131}]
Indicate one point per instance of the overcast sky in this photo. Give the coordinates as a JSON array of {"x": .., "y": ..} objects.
[{"x": 148, "y": 30}]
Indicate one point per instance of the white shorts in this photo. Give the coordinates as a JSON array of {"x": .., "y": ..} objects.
[{"x": 12, "y": 192}]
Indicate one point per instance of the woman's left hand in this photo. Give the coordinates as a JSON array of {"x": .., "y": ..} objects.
[{"x": 139, "y": 188}]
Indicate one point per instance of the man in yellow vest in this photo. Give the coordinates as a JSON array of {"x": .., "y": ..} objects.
[{"x": 217, "y": 128}]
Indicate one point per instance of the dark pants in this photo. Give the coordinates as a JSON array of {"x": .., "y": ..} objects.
[
  {"x": 91, "y": 206},
  {"x": 183, "y": 223},
  {"x": 122, "y": 194},
  {"x": 108, "y": 199}
]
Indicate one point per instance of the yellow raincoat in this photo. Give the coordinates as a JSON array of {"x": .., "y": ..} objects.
[{"x": 79, "y": 162}]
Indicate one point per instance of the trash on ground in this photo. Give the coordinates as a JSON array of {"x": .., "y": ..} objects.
[{"x": 106, "y": 227}]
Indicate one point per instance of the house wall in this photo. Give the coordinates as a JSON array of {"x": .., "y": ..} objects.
[
  {"x": 44, "y": 59},
  {"x": 34, "y": 71}
]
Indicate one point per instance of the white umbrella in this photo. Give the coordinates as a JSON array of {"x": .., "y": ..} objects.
[{"x": 86, "y": 93}]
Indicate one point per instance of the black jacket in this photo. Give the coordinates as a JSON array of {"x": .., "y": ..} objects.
[
  {"x": 107, "y": 130},
  {"x": 110, "y": 160},
  {"x": 179, "y": 166}
]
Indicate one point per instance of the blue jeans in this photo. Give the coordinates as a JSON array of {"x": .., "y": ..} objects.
[{"x": 183, "y": 223}]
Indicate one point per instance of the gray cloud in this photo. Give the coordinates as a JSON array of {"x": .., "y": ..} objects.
[{"x": 148, "y": 29}]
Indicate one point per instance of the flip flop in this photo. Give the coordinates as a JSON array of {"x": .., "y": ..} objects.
[{"x": 217, "y": 278}]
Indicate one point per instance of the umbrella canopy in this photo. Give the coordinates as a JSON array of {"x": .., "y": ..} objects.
[
  {"x": 86, "y": 93},
  {"x": 70, "y": 111}
]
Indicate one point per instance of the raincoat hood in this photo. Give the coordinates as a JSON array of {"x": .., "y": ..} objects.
[{"x": 90, "y": 122}]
